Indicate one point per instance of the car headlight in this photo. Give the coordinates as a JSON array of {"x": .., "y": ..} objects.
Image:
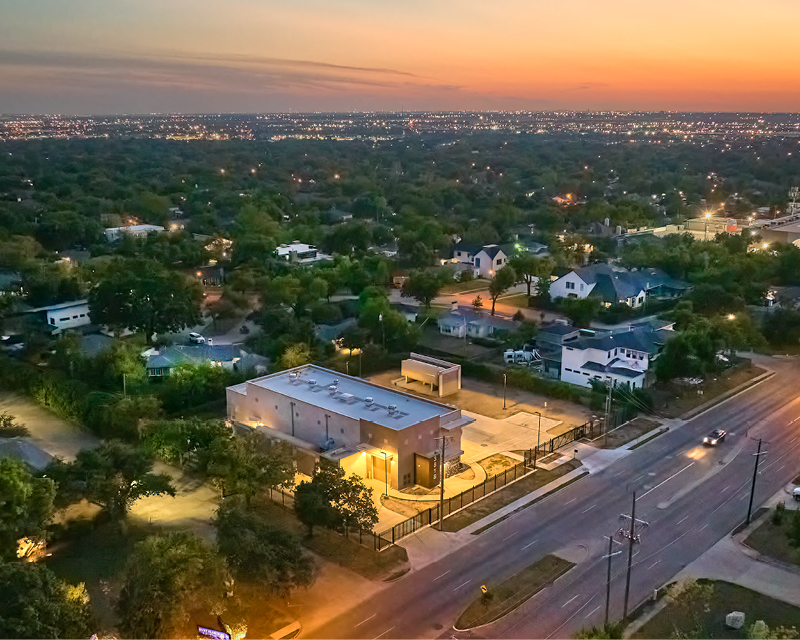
[
  {"x": 713, "y": 442},
  {"x": 705, "y": 439}
]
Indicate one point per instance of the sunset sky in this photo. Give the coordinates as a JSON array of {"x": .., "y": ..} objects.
[{"x": 198, "y": 56}]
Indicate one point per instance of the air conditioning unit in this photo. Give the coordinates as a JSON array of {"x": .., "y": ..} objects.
[
  {"x": 332, "y": 389},
  {"x": 292, "y": 376},
  {"x": 368, "y": 400},
  {"x": 312, "y": 383},
  {"x": 392, "y": 408}
]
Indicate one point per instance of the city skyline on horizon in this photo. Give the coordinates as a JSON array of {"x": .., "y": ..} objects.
[{"x": 260, "y": 56}]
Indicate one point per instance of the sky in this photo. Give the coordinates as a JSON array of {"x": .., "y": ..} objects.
[{"x": 198, "y": 56}]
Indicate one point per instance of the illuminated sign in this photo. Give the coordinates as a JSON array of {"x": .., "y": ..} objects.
[{"x": 213, "y": 633}]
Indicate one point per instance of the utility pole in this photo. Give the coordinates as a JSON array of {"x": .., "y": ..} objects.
[
  {"x": 443, "y": 438},
  {"x": 504, "y": 391},
  {"x": 758, "y": 455},
  {"x": 608, "y": 412},
  {"x": 538, "y": 439},
  {"x": 632, "y": 537},
  {"x": 611, "y": 554}
]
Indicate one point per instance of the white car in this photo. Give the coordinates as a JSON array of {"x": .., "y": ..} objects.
[
  {"x": 196, "y": 338},
  {"x": 796, "y": 493}
]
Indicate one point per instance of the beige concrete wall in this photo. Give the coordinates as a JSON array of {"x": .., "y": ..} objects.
[{"x": 450, "y": 382}]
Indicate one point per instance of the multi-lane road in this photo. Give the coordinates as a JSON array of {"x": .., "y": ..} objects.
[{"x": 690, "y": 496}]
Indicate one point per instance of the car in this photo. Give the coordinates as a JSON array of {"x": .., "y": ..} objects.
[
  {"x": 715, "y": 437},
  {"x": 796, "y": 494},
  {"x": 196, "y": 338}
]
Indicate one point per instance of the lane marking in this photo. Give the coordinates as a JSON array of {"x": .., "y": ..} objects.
[
  {"x": 703, "y": 527},
  {"x": 573, "y": 500},
  {"x": 589, "y": 509},
  {"x": 384, "y": 633},
  {"x": 370, "y": 618},
  {"x": 726, "y": 488},
  {"x": 639, "y": 478},
  {"x": 781, "y": 467},
  {"x": 654, "y": 564},
  {"x": 529, "y": 544},
  {"x": 570, "y": 600},
  {"x": 511, "y": 536},
  {"x": 682, "y": 519},
  {"x": 667, "y": 480},
  {"x": 441, "y": 576},
  {"x": 462, "y": 585},
  {"x": 744, "y": 496},
  {"x": 591, "y": 612}
]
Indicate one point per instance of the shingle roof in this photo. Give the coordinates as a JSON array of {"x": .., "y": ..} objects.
[{"x": 637, "y": 339}]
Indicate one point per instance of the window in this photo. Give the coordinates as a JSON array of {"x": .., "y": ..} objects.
[
  {"x": 581, "y": 287},
  {"x": 499, "y": 261},
  {"x": 569, "y": 285},
  {"x": 478, "y": 263},
  {"x": 52, "y": 320}
]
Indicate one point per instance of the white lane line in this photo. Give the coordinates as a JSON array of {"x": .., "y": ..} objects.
[
  {"x": 793, "y": 439},
  {"x": 370, "y": 618},
  {"x": 639, "y": 478},
  {"x": 573, "y": 500},
  {"x": 441, "y": 576},
  {"x": 529, "y": 544},
  {"x": 511, "y": 536},
  {"x": 744, "y": 495},
  {"x": 682, "y": 519},
  {"x": 384, "y": 633},
  {"x": 589, "y": 509},
  {"x": 462, "y": 585},
  {"x": 591, "y": 612},
  {"x": 781, "y": 467},
  {"x": 726, "y": 488},
  {"x": 667, "y": 480},
  {"x": 654, "y": 564},
  {"x": 570, "y": 600},
  {"x": 703, "y": 527}
]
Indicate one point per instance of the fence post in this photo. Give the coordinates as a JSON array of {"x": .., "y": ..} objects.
[
  {"x": 505, "y": 476},
  {"x": 429, "y": 515},
  {"x": 473, "y": 493},
  {"x": 495, "y": 481},
  {"x": 461, "y": 495}
]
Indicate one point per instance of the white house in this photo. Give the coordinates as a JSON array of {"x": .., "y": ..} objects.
[
  {"x": 621, "y": 358},
  {"x": 67, "y": 315},
  {"x": 486, "y": 260},
  {"x": 300, "y": 253},
  {"x": 465, "y": 322},
  {"x": 136, "y": 230}
]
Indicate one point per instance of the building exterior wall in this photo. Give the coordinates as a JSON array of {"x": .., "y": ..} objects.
[
  {"x": 572, "y": 361},
  {"x": 570, "y": 286},
  {"x": 69, "y": 317}
]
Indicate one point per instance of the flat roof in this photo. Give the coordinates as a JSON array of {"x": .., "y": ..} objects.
[
  {"x": 349, "y": 399},
  {"x": 63, "y": 305}
]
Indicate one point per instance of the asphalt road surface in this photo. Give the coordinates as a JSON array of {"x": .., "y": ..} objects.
[{"x": 689, "y": 495}]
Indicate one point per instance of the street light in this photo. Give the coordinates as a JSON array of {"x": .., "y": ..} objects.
[
  {"x": 504, "y": 391},
  {"x": 538, "y": 439}
]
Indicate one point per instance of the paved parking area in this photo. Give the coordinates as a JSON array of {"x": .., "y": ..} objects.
[{"x": 487, "y": 436}]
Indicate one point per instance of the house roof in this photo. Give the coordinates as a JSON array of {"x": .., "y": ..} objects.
[
  {"x": 464, "y": 315},
  {"x": 63, "y": 305},
  {"x": 636, "y": 339},
  {"x": 491, "y": 249},
  {"x": 24, "y": 450},
  {"x": 170, "y": 357},
  {"x": 558, "y": 329},
  {"x": 614, "y": 284},
  {"x": 610, "y": 368}
]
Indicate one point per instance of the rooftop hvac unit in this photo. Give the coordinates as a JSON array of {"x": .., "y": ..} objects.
[
  {"x": 311, "y": 383},
  {"x": 292, "y": 376},
  {"x": 368, "y": 400},
  {"x": 332, "y": 389},
  {"x": 392, "y": 408},
  {"x": 336, "y": 381}
]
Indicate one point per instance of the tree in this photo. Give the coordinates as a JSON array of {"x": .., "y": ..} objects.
[
  {"x": 112, "y": 476},
  {"x": 10, "y": 428},
  {"x": 165, "y": 577},
  {"x": 185, "y": 442},
  {"x": 532, "y": 270},
  {"x": 422, "y": 285},
  {"x": 502, "y": 282},
  {"x": 692, "y": 599},
  {"x": 250, "y": 464},
  {"x": 26, "y": 504},
  {"x": 190, "y": 385},
  {"x": 581, "y": 311},
  {"x": 295, "y": 355},
  {"x": 142, "y": 295},
  {"x": 36, "y": 604},
  {"x": 477, "y": 304},
  {"x": 333, "y": 500},
  {"x": 258, "y": 551}
]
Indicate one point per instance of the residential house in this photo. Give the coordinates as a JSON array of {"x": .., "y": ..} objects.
[
  {"x": 614, "y": 285},
  {"x": 337, "y": 216},
  {"x": 549, "y": 340},
  {"x": 161, "y": 362},
  {"x": 66, "y": 315},
  {"x": 463, "y": 322},
  {"x": 615, "y": 358},
  {"x": 300, "y": 253},
  {"x": 380, "y": 434},
  {"x": 486, "y": 260},
  {"x": 136, "y": 230}
]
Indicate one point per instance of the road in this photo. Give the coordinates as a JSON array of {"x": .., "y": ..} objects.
[{"x": 690, "y": 495}]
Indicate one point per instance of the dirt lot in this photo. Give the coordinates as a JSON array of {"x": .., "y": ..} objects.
[
  {"x": 497, "y": 464},
  {"x": 675, "y": 400}
]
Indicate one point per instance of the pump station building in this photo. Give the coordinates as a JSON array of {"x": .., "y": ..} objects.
[{"x": 366, "y": 429}]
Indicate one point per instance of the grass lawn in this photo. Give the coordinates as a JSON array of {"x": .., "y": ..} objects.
[
  {"x": 478, "y": 284},
  {"x": 727, "y": 597},
  {"x": 506, "y": 496},
  {"x": 497, "y": 464},
  {"x": 345, "y": 552},
  {"x": 511, "y": 593},
  {"x": 627, "y": 432},
  {"x": 771, "y": 540},
  {"x": 674, "y": 402},
  {"x": 517, "y": 300}
]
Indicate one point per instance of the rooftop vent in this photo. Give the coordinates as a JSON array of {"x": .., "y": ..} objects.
[
  {"x": 392, "y": 408},
  {"x": 292, "y": 376},
  {"x": 332, "y": 389},
  {"x": 336, "y": 381},
  {"x": 312, "y": 382},
  {"x": 368, "y": 400}
]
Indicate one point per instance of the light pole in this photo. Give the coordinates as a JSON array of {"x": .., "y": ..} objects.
[
  {"x": 383, "y": 331},
  {"x": 758, "y": 455},
  {"x": 505, "y": 378},
  {"x": 610, "y": 555},
  {"x": 538, "y": 439},
  {"x": 386, "y": 472}
]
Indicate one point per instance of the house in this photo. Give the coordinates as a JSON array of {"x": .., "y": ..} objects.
[
  {"x": 549, "y": 340},
  {"x": 337, "y": 216},
  {"x": 300, "y": 253},
  {"x": 615, "y": 358},
  {"x": 377, "y": 433},
  {"x": 615, "y": 285},
  {"x": 161, "y": 362},
  {"x": 136, "y": 230},
  {"x": 462, "y": 322},
  {"x": 66, "y": 315},
  {"x": 486, "y": 260}
]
